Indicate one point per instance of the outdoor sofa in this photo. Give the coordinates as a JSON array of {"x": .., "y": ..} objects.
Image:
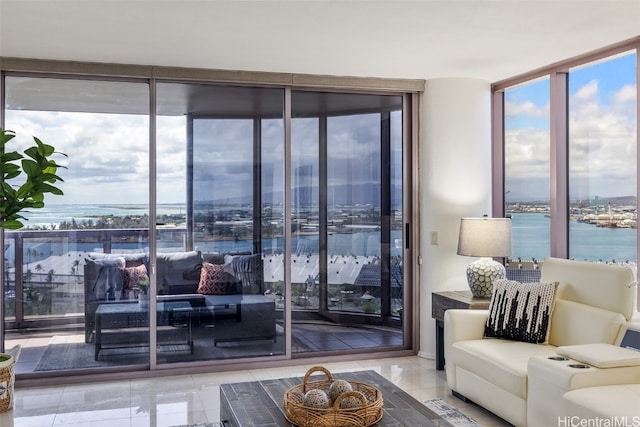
[{"x": 229, "y": 293}]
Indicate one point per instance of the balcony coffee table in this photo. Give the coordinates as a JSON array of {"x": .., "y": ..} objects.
[
  {"x": 126, "y": 325},
  {"x": 260, "y": 403}
]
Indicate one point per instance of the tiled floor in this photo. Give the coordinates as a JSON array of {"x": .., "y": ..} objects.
[{"x": 189, "y": 399}]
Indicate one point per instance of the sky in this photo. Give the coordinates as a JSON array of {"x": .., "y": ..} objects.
[
  {"x": 602, "y": 133},
  {"x": 108, "y": 154}
]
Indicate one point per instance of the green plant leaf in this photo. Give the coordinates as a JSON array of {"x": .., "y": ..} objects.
[
  {"x": 11, "y": 225},
  {"x": 46, "y": 188},
  {"x": 30, "y": 167},
  {"x": 43, "y": 149},
  {"x": 40, "y": 173},
  {"x": 6, "y": 136},
  {"x": 12, "y": 156},
  {"x": 23, "y": 191}
]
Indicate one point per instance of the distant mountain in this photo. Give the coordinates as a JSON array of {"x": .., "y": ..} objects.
[
  {"x": 615, "y": 201},
  {"x": 364, "y": 194},
  {"x": 619, "y": 200}
]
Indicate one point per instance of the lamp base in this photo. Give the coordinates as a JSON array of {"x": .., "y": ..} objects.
[{"x": 481, "y": 274}]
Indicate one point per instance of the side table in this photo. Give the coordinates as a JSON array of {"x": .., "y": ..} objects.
[{"x": 441, "y": 302}]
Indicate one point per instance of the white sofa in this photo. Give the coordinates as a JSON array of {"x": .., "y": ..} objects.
[
  {"x": 614, "y": 397},
  {"x": 605, "y": 402},
  {"x": 594, "y": 302}
]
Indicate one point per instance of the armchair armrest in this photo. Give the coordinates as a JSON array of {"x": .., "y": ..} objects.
[
  {"x": 601, "y": 355},
  {"x": 462, "y": 325}
]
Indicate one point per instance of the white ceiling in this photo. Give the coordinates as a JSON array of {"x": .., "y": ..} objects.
[{"x": 425, "y": 39}]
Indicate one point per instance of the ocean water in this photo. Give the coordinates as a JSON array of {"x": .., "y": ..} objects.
[
  {"x": 56, "y": 214},
  {"x": 530, "y": 235},
  {"x": 531, "y": 240},
  {"x": 365, "y": 243}
]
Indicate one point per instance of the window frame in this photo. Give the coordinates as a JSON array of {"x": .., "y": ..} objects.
[
  {"x": 409, "y": 89},
  {"x": 558, "y": 73}
]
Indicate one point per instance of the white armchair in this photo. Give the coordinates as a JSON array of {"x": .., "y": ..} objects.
[{"x": 593, "y": 304}]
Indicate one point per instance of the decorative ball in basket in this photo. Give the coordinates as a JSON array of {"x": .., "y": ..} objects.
[{"x": 332, "y": 402}]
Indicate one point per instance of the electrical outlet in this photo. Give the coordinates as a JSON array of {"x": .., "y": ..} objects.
[{"x": 434, "y": 237}]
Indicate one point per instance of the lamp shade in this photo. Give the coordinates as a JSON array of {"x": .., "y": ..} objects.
[{"x": 485, "y": 237}]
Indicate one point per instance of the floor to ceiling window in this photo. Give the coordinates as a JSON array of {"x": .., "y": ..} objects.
[
  {"x": 527, "y": 169},
  {"x": 64, "y": 287},
  {"x": 194, "y": 227},
  {"x": 568, "y": 136},
  {"x": 603, "y": 160}
]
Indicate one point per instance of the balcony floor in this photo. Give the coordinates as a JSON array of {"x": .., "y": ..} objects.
[{"x": 307, "y": 337}]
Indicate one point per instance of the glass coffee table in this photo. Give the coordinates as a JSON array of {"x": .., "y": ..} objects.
[{"x": 126, "y": 325}]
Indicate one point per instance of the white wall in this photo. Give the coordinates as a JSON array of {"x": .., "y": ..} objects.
[{"x": 455, "y": 159}]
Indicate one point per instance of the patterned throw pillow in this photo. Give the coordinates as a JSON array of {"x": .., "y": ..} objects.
[
  {"x": 521, "y": 311},
  {"x": 212, "y": 280},
  {"x": 131, "y": 276}
]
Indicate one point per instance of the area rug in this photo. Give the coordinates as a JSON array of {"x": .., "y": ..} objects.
[
  {"x": 451, "y": 415},
  {"x": 64, "y": 354}
]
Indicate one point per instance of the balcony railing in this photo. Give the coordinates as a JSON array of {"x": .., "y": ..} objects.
[{"x": 44, "y": 276}]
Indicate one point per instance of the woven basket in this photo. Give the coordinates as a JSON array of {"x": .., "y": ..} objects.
[
  {"x": 7, "y": 380},
  {"x": 304, "y": 416}
]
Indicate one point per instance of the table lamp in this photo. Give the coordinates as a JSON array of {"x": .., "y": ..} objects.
[{"x": 485, "y": 238}]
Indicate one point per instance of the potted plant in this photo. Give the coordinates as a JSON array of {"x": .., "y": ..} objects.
[
  {"x": 25, "y": 178},
  {"x": 36, "y": 172}
]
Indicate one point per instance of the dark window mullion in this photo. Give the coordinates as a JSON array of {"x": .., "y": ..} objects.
[
  {"x": 323, "y": 213},
  {"x": 385, "y": 215}
]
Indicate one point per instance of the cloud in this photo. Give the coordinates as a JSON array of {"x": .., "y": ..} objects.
[
  {"x": 587, "y": 92},
  {"x": 109, "y": 153},
  {"x": 526, "y": 108},
  {"x": 602, "y": 146},
  {"x": 625, "y": 95}
]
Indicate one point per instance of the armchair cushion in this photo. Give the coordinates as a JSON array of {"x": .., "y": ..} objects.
[
  {"x": 247, "y": 269},
  {"x": 500, "y": 362},
  {"x": 609, "y": 402},
  {"x": 575, "y": 323},
  {"x": 521, "y": 311},
  {"x": 170, "y": 269}
]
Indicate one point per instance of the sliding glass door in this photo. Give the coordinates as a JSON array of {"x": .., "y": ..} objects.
[
  {"x": 69, "y": 298},
  {"x": 348, "y": 251},
  {"x": 231, "y": 141},
  {"x": 206, "y": 223}
]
